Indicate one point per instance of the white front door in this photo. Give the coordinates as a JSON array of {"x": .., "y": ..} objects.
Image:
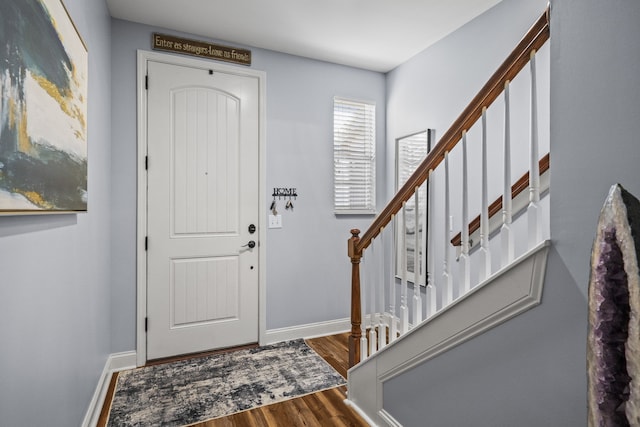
[{"x": 202, "y": 212}]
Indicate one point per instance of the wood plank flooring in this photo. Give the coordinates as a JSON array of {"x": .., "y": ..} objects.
[
  {"x": 334, "y": 349},
  {"x": 325, "y": 408}
]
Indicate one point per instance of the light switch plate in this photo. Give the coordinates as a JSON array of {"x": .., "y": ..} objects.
[{"x": 275, "y": 221}]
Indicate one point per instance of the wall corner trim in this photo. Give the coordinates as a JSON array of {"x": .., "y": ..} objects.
[
  {"x": 309, "y": 330},
  {"x": 115, "y": 362},
  {"x": 360, "y": 412}
]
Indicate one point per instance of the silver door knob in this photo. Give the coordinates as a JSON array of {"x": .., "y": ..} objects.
[{"x": 251, "y": 244}]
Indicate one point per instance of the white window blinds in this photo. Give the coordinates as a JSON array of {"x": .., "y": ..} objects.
[{"x": 354, "y": 156}]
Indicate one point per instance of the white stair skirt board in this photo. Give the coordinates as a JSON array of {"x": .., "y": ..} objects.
[
  {"x": 508, "y": 292},
  {"x": 309, "y": 330},
  {"x": 115, "y": 362}
]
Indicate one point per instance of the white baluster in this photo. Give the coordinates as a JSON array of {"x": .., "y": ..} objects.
[
  {"x": 382, "y": 325},
  {"x": 417, "y": 277},
  {"x": 429, "y": 259},
  {"x": 465, "y": 264},
  {"x": 533, "y": 211},
  {"x": 404, "y": 310},
  {"x": 446, "y": 273},
  {"x": 484, "y": 252},
  {"x": 363, "y": 312},
  {"x": 393, "y": 325},
  {"x": 506, "y": 235},
  {"x": 373, "y": 338}
]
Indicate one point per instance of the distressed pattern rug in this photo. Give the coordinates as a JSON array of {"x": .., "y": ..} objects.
[{"x": 195, "y": 390}]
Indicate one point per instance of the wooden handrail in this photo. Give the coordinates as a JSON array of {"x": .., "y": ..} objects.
[
  {"x": 535, "y": 38},
  {"x": 495, "y": 207}
]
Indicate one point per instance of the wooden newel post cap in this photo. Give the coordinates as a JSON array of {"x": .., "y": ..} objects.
[{"x": 352, "y": 243}]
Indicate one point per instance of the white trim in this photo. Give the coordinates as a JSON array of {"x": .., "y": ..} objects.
[
  {"x": 387, "y": 418},
  {"x": 503, "y": 296},
  {"x": 355, "y": 212},
  {"x": 506, "y": 294},
  {"x": 309, "y": 330},
  {"x": 360, "y": 412},
  {"x": 122, "y": 361},
  {"x": 141, "y": 309},
  {"x": 114, "y": 363},
  {"x": 141, "y": 210},
  {"x": 95, "y": 406}
]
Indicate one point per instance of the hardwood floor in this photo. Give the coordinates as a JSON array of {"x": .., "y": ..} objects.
[
  {"x": 325, "y": 408},
  {"x": 334, "y": 349}
]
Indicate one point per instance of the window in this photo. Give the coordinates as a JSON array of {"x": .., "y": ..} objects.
[{"x": 354, "y": 156}]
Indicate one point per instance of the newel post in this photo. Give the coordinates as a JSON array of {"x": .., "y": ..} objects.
[{"x": 356, "y": 310}]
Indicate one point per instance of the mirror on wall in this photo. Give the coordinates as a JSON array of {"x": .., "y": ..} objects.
[{"x": 410, "y": 152}]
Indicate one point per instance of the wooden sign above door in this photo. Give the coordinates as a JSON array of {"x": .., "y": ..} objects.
[{"x": 201, "y": 49}]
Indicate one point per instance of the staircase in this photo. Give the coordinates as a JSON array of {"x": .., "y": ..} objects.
[{"x": 404, "y": 310}]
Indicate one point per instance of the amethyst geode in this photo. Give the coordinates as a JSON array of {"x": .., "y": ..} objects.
[{"x": 613, "y": 353}]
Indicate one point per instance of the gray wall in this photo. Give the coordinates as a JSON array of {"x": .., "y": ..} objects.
[
  {"x": 531, "y": 371},
  {"x": 54, "y": 290},
  {"x": 308, "y": 272},
  {"x": 595, "y": 103}
]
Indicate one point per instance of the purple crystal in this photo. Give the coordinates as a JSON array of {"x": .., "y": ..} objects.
[
  {"x": 611, "y": 332},
  {"x": 613, "y": 358}
]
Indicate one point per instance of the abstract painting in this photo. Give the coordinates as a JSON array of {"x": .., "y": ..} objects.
[{"x": 43, "y": 109}]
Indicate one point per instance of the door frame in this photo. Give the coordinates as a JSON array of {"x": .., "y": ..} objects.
[{"x": 141, "y": 229}]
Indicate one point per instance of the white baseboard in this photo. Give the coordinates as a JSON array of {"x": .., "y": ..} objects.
[
  {"x": 387, "y": 418},
  {"x": 310, "y": 330},
  {"x": 114, "y": 363},
  {"x": 121, "y": 361},
  {"x": 360, "y": 412}
]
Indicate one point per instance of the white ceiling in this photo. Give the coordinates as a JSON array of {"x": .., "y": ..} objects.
[{"x": 372, "y": 34}]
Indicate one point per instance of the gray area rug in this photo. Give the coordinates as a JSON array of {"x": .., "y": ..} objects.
[{"x": 195, "y": 390}]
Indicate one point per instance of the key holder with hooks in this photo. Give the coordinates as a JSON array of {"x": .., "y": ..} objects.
[{"x": 281, "y": 192}]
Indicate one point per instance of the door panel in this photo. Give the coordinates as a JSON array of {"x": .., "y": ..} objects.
[
  {"x": 202, "y": 289},
  {"x": 205, "y": 167}
]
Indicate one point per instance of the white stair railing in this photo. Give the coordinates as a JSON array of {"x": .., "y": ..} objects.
[
  {"x": 380, "y": 281},
  {"x": 428, "y": 242},
  {"x": 447, "y": 280},
  {"x": 430, "y": 296},
  {"x": 485, "y": 252},
  {"x": 374, "y": 313},
  {"x": 391, "y": 277},
  {"x": 384, "y": 325},
  {"x": 366, "y": 287},
  {"x": 533, "y": 211},
  {"x": 506, "y": 235},
  {"x": 416, "y": 311}
]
